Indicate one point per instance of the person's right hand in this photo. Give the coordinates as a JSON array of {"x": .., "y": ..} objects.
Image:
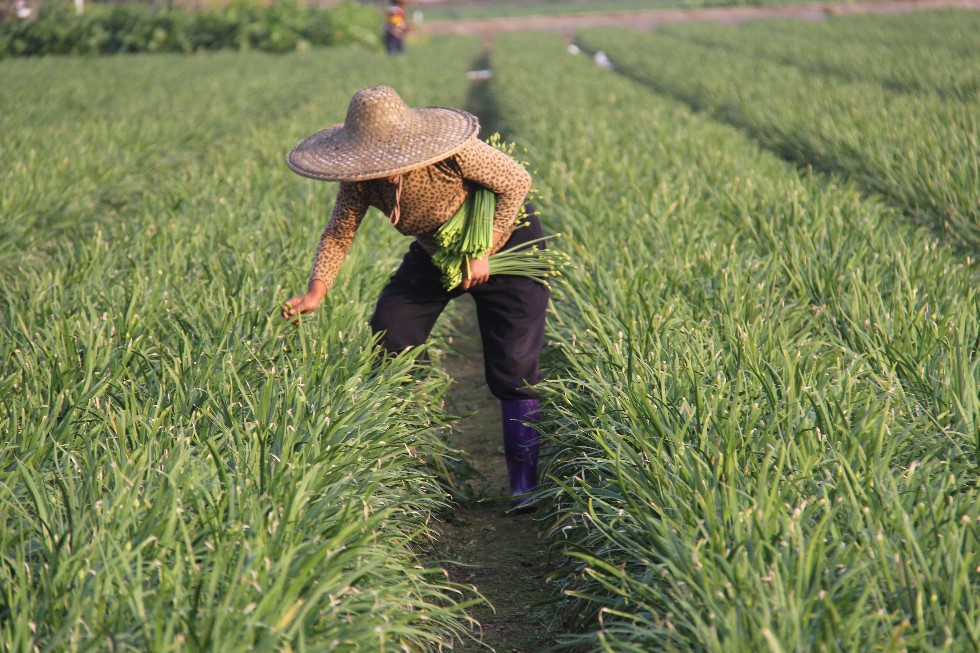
[{"x": 307, "y": 303}]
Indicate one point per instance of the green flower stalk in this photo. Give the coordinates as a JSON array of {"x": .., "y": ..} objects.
[
  {"x": 469, "y": 235},
  {"x": 528, "y": 260},
  {"x": 478, "y": 235},
  {"x": 450, "y": 234}
]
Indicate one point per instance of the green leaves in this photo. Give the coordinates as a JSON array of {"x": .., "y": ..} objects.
[
  {"x": 754, "y": 368},
  {"x": 468, "y": 235},
  {"x": 181, "y": 467},
  {"x": 847, "y": 106},
  {"x": 241, "y": 25}
]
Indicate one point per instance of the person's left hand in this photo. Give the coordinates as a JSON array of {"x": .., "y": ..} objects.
[{"x": 479, "y": 272}]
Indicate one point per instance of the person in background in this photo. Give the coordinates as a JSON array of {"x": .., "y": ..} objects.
[
  {"x": 396, "y": 27},
  {"x": 417, "y": 167}
]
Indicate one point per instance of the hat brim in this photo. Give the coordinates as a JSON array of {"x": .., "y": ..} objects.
[{"x": 339, "y": 154}]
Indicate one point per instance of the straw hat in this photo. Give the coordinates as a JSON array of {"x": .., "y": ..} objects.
[{"x": 382, "y": 136}]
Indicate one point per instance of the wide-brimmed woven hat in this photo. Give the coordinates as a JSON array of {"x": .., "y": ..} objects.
[{"x": 382, "y": 136}]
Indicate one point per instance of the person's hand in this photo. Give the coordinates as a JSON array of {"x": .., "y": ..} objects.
[
  {"x": 307, "y": 303},
  {"x": 479, "y": 272}
]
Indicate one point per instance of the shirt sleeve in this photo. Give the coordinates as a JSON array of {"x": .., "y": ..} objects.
[
  {"x": 335, "y": 242},
  {"x": 486, "y": 165}
]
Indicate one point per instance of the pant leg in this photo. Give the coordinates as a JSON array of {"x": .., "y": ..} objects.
[
  {"x": 407, "y": 308},
  {"x": 394, "y": 44},
  {"x": 511, "y": 312}
]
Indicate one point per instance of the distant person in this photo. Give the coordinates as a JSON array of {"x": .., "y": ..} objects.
[{"x": 396, "y": 27}]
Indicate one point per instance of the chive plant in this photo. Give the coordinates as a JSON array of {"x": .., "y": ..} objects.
[
  {"x": 182, "y": 469},
  {"x": 763, "y": 398},
  {"x": 919, "y": 150},
  {"x": 468, "y": 235},
  {"x": 905, "y": 58}
]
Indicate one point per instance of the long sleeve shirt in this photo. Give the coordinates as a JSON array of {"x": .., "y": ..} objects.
[{"x": 429, "y": 197}]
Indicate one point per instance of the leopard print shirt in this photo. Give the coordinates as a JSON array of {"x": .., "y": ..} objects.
[{"x": 429, "y": 197}]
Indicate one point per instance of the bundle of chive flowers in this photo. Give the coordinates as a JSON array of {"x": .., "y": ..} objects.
[
  {"x": 469, "y": 235},
  {"x": 466, "y": 235}
]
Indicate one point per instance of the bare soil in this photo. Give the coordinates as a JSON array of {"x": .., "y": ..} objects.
[
  {"x": 649, "y": 20},
  {"x": 500, "y": 554}
]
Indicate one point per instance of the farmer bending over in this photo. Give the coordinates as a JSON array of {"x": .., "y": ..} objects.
[{"x": 417, "y": 166}]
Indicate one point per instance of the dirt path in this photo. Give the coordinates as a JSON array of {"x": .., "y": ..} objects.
[
  {"x": 648, "y": 20},
  {"x": 481, "y": 545}
]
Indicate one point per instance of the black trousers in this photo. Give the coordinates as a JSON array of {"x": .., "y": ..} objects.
[
  {"x": 510, "y": 311},
  {"x": 394, "y": 44}
]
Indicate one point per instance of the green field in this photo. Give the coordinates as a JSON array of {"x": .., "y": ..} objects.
[{"x": 763, "y": 392}]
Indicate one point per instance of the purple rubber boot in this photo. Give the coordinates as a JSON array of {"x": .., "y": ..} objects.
[{"x": 521, "y": 450}]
